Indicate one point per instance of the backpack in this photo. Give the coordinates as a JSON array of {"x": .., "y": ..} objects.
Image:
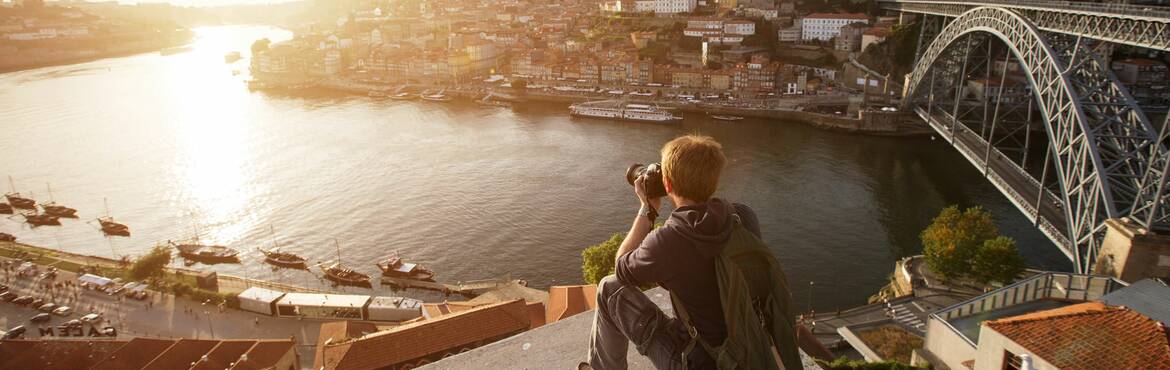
[{"x": 756, "y": 308}]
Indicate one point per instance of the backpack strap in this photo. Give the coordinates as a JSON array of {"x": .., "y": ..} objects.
[{"x": 694, "y": 333}]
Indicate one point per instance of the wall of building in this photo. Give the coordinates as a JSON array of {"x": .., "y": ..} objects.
[
  {"x": 990, "y": 355},
  {"x": 947, "y": 345}
]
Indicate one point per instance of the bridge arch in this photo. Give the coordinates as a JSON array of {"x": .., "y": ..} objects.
[{"x": 1100, "y": 142}]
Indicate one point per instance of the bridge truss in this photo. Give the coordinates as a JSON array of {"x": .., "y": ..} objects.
[{"x": 1070, "y": 147}]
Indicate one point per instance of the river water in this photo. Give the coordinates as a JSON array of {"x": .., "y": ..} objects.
[{"x": 179, "y": 146}]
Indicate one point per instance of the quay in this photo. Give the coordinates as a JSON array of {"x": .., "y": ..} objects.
[{"x": 465, "y": 288}]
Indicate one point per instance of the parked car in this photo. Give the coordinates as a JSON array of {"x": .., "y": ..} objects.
[
  {"x": 7, "y": 296},
  {"x": 14, "y": 333},
  {"x": 47, "y": 307},
  {"x": 37, "y": 302},
  {"x": 41, "y": 317},
  {"x": 3, "y": 288},
  {"x": 23, "y": 300},
  {"x": 93, "y": 317},
  {"x": 63, "y": 311},
  {"x": 75, "y": 323}
]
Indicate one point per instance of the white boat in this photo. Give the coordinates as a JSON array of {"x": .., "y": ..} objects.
[
  {"x": 622, "y": 111},
  {"x": 727, "y": 118},
  {"x": 438, "y": 97}
]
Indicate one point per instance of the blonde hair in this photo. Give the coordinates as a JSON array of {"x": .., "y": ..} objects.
[{"x": 693, "y": 163}]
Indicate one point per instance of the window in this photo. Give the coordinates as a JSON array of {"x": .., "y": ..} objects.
[{"x": 1011, "y": 361}]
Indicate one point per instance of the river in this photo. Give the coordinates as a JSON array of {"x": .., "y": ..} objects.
[{"x": 179, "y": 146}]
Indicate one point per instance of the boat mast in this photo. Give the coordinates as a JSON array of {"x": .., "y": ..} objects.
[
  {"x": 273, "y": 230},
  {"x": 335, "y": 244},
  {"x": 50, "y": 188},
  {"x": 106, "y": 202},
  {"x": 12, "y": 184}
]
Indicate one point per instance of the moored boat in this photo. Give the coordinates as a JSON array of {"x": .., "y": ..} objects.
[
  {"x": 18, "y": 201},
  {"x": 207, "y": 253},
  {"x": 396, "y": 267},
  {"x": 727, "y": 118},
  {"x": 41, "y": 219},
  {"x": 52, "y": 208},
  {"x": 436, "y": 97},
  {"x": 283, "y": 259},
  {"x": 5, "y": 208},
  {"x": 113, "y": 228},
  {"x": 403, "y": 96},
  {"x": 346, "y": 276},
  {"x": 6, "y": 237},
  {"x": 622, "y": 111}
]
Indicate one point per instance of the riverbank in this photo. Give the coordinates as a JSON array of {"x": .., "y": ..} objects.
[
  {"x": 34, "y": 54},
  {"x": 872, "y": 122}
]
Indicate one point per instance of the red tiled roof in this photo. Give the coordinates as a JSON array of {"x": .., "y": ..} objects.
[
  {"x": 224, "y": 354},
  {"x": 62, "y": 354},
  {"x": 565, "y": 301},
  {"x": 264, "y": 355},
  {"x": 1090, "y": 336},
  {"x": 837, "y": 16},
  {"x": 181, "y": 355},
  {"x": 878, "y": 31},
  {"x": 135, "y": 354},
  {"x": 337, "y": 332},
  {"x": 427, "y": 337}
]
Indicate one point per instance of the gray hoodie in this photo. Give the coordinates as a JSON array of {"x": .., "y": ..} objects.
[{"x": 679, "y": 257}]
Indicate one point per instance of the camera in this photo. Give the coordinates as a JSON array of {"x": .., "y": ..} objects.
[{"x": 653, "y": 182}]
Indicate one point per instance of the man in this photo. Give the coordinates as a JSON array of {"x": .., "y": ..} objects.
[{"x": 678, "y": 256}]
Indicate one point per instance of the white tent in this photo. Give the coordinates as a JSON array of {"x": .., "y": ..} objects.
[
  {"x": 95, "y": 280},
  {"x": 259, "y": 300},
  {"x": 393, "y": 309}
]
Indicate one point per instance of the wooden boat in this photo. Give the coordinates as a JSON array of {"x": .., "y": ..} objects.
[
  {"x": 346, "y": 276},
  {"x": 5, "y": 237},
  {"x": 55, "y": 209},
  {"x": 728, "y": 118},
  {"x": 282, "y": 259},
  {"x": 207, "y": 253},
  {"x": 41, "y": 219},
  {"x": 112, "y": 228},
  {"x": 18, "y": 201},
  {"x": 5, "y": 208},
  {"x": 396, "y": 267}
]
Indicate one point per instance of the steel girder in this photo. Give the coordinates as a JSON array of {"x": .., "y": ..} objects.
[
  {"x": 1100, "y": 141},
  {"x": 1128, "y": 25}
]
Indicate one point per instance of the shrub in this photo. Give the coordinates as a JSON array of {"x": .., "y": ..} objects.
[
  {"x": 599, "y": 259},
  {"x": 151, "y": 264}
]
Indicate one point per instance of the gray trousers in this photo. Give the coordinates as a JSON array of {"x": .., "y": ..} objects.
[{"x": 624, "y": 314}]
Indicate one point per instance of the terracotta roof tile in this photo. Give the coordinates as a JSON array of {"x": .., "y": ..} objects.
[
  {"x": 427, "y": 337},
  {"x": 62, "y": 354},
  {"x": 565, "y": 301},
  {"x": 1090, "y": 336},
  {"x": 264, "y": 355},
  {"x": 224, "y": 354},
  {"x": 181, "y": 355},
  {"x": 135, "y": 354}
]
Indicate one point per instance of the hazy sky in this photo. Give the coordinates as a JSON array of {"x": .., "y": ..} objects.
[{"x": 190, "y": 2}]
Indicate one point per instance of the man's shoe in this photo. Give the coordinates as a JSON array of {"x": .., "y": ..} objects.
[{"x": 584, "y": 366}]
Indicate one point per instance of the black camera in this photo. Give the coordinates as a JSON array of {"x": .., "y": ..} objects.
[{"x": 653, "y": 182}]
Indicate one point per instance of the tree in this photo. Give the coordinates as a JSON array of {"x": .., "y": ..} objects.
[
  {"x": 953, "y": 239},
  {"x": 998, "y": 259},
  {"x": 260, "y": 45},
  {"x": 151, "y": 264},
  {"x": 599, "y": 259}
]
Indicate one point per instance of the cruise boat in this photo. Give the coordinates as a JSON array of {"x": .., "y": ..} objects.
[
  {"x": 622, "y": 111},
  {"x": 396, "y": 267}
]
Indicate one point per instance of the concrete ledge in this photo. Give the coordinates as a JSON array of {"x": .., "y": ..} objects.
[{"x": 560, "y": 345}]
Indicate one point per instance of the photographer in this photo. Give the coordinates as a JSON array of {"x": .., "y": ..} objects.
[{"x": 679, "y": 256}]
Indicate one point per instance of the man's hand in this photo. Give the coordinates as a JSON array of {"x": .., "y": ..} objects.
[{"x": 640, "y": 192}]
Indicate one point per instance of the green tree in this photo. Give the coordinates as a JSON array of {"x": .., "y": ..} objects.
[
  {"x": 953, "y": 239},
  {"x": 599, "y": 259},
  {"x": 260, "y": 45},
  {"x": 151, "y": 264},
  {"x": 998, "y": 259}
]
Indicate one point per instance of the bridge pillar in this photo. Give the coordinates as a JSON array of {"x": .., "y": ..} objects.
[{"x": 1131, "y": 253}]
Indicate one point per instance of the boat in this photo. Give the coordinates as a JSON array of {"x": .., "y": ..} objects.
[
  {"x": 396, "y": 267},
  {"x": 207, "y": 253},
  {"x": 403, "y": 96},
  {"x": 231, "y": 57},
  {"x": 5, "y": 208},
  {"x": 345, "y": 276},
  {"x": 6, "y": 237},
  {"x": 728, "y": 118},
  {"x": 282, "y": 259},
  {"x": 622, "y": 111},
  {"x": 111, "y": 227},
  {"x": 52, "y": 208},
  {"x": 376, "y": 94},
  {"x": 41, "y": 219},
  {"x": 18, "y": 201},
  {"x": 436, "y": 97}
]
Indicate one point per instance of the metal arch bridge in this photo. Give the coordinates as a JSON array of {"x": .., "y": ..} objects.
[{"x": 1068, "y": 144}]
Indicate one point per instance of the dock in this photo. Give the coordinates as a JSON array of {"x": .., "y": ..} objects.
[{"x": 466, "y": 288}]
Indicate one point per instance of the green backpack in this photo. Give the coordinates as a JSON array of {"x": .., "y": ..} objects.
[{"x": 756, "y": 308}]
